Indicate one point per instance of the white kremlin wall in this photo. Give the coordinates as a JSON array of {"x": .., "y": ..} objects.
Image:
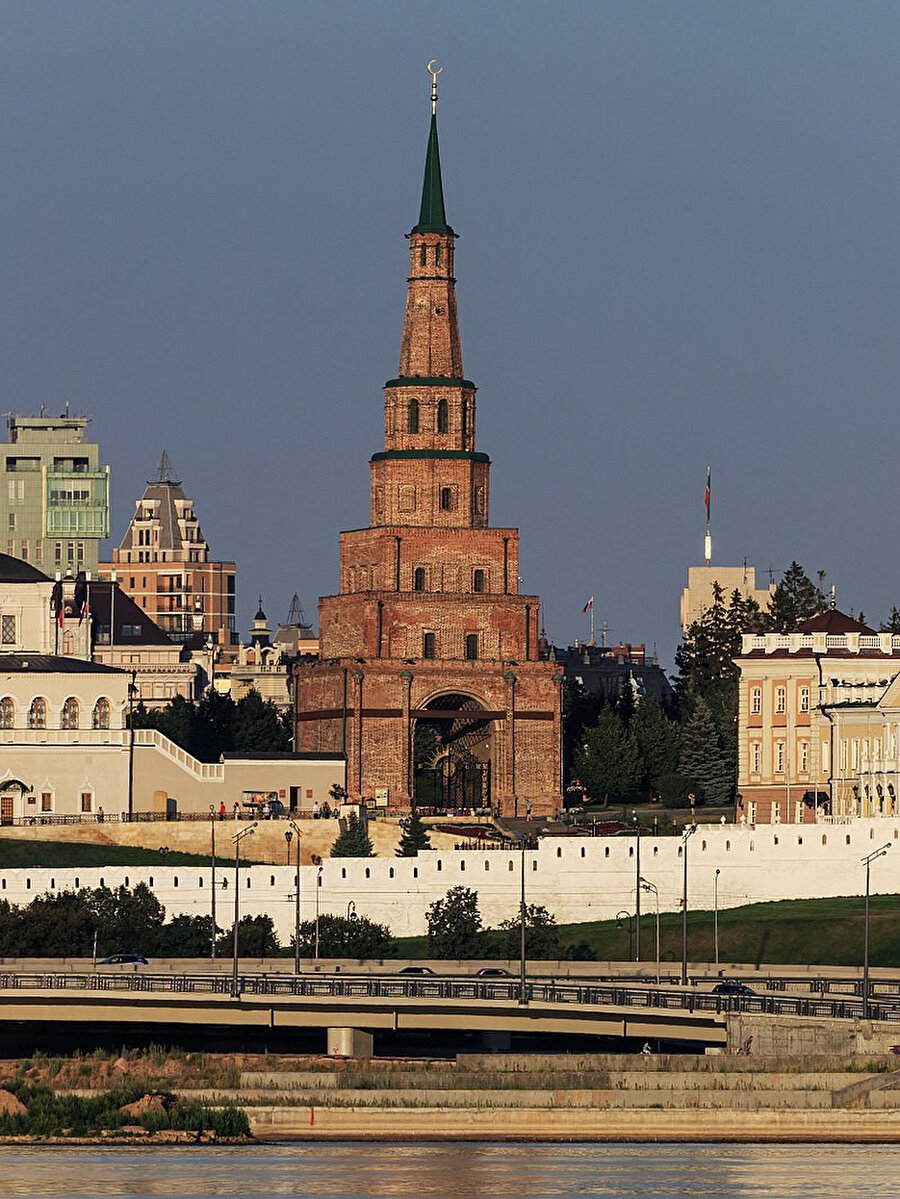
[{"x": 577, "y": 878}]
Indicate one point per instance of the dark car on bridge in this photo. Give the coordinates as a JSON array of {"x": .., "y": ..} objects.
[
  {"x": 416, "y": 970},
  {"x": 493, "y": 972},
  {"x": 741, "y": 990},
  {"x": 124, "y": 959}
]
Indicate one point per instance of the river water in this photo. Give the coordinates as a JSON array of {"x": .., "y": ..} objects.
[{"x": 350, "y": 1171}]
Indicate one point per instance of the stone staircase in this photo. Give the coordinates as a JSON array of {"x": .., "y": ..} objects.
[{"x": 730, "y": 1090}]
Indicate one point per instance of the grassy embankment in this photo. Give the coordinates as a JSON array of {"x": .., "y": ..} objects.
[
  {"x": 799, "y": 932},
  {"x": 21, "y": 855},
  {"x": 43, "y": 1085}
]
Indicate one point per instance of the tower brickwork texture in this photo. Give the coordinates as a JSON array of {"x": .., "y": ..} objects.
[{"x": 428, "y": 677}]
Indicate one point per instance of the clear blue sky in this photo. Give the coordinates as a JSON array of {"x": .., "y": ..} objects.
[{"x": 678, "y": 248}]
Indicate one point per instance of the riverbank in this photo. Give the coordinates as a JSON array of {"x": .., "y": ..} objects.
[{"x": 603, "y": 1098}]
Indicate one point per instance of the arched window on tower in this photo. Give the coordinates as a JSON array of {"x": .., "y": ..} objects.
[
  {"x": 419, "y": 578},
  {"x": 438, "y": 254},
  {"x": 412, "y": 417},
  {"x": 478, "y": 581},
  {"x": 464, "y": 418},
  {"x": 446, "y": 499},
  {"x": 443, "y": 417},
  {"x": 471, "y": 647},
  {"x": 428, "y": 646},
  {"x": 7, "y": 713},
  {"x": 423, "y": 255}
]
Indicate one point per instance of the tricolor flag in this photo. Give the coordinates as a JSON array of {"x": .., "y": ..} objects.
[
  {"x": 589, "y": 606},
  {"x": 708, "y": 495}
]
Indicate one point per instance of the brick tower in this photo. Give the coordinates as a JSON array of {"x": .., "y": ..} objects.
[{"x": 429, "y": 678}]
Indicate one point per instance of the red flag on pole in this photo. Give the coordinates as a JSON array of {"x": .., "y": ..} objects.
[{"x": 708, "y": 495}]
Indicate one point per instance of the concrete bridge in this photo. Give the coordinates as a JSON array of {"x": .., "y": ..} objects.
[{"x": 351, "y": 1008}]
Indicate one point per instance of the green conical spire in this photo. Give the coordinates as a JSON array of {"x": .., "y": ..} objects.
[{"x": 431, "y": 214}]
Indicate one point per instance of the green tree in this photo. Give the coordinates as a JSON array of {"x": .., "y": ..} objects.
[
  {"x": 702, "y": 757},
  {"x": 212, "y": 730},
  {"x": 580, "y": 711},
  {"x": 127, "y": 920},
  {"x": 353, "y": 841},
  {"x": 58, "y": 924},
  {"x": 414, "y": 836},
  {"x": 607, "y": 762},
  {"x": 258, "y": 728},
  {"x": 187, "y": 937},
  {"x": 340, "y": 937},
  {"x": 541, "y": 934},
  {"x": 178, "y": 721},
  {"x": 673, "y": 789},
  {"x": 796, "y": 599},
  {"x": 893, "y": 622},
  {"x": 454, "y": 925},
  {"x": 705, "y": 662},
  {"x": 657, "y": 737},
  {"x": 256, "y": 938}
]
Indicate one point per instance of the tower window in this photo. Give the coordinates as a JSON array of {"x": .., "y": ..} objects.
[
  {"x": 438, "y": 254},
  {"x": 446, "y": 499},
  {"x": 428, "y": 646},
  {"x": 419, "y": 578},
  {"x": 443, "y": 418},
  {"x": 423, "y": 255},
  {"x": 478, "y": 581},
  {"x": 471, "y": 647},
  {"x": 412, "y": 417}
]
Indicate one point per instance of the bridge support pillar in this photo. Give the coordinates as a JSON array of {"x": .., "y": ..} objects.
[
  {"x": 350, "y": 1042},
  {"x": 496, "y": 1041}
]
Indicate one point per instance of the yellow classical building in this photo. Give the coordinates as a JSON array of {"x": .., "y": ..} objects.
[{"x": 818, "y": 723}]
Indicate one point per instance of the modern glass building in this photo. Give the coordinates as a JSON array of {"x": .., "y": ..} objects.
[{"x": 54, "y": 503}]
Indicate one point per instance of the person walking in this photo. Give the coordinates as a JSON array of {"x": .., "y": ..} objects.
[{"x": 222, "y": 810}]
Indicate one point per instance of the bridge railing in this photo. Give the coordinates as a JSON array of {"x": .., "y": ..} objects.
[{"x": 388, "y": 987}]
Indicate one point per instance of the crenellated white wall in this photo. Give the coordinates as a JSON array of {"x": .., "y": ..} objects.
[{"x": 578, "y": 879}]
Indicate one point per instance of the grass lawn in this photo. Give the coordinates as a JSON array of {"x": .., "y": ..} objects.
[
  {"x": 16, "y": 854},
  {"x": 794, "y": 932}
]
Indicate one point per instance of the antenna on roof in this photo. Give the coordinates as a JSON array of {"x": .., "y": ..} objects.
[
  {"x": 164, "y": 472},
  {"x": 295, "y": 614}
]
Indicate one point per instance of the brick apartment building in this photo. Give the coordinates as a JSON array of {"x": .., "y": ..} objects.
[
  {"x": 429, "y": 678},
  {"x": 164, "y": 564}
]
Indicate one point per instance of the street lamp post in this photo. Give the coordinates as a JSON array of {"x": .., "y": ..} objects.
[
  {"x": 637, "y": 888},
  {"x": 212, "y": 846},
  {"x": 296, "y": 898},
  {"x": 132, "y": 688},
  {"x": 523, "y": 911},
  {"x": 716, "y": 914},
  {"x": 237, "y": 839},
  {"x": 318, "y": 886},
  {"x": 867, "y": 862},
  {"x": 655, "y": 890},
  {"x": 688, "y": 832}
]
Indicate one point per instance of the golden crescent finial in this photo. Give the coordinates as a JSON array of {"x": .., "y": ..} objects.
[{"x": 430, "y": 68}]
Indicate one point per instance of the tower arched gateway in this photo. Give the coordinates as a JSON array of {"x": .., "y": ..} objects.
[{"x": 429, "y": 678}]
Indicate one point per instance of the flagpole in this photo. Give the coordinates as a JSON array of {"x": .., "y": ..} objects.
[
  {"x": 593, "y": 642},
  {"x": 707, "y": 544}
]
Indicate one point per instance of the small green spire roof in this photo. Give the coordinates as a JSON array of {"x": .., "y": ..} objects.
[{"x": 431, "y": 214}]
